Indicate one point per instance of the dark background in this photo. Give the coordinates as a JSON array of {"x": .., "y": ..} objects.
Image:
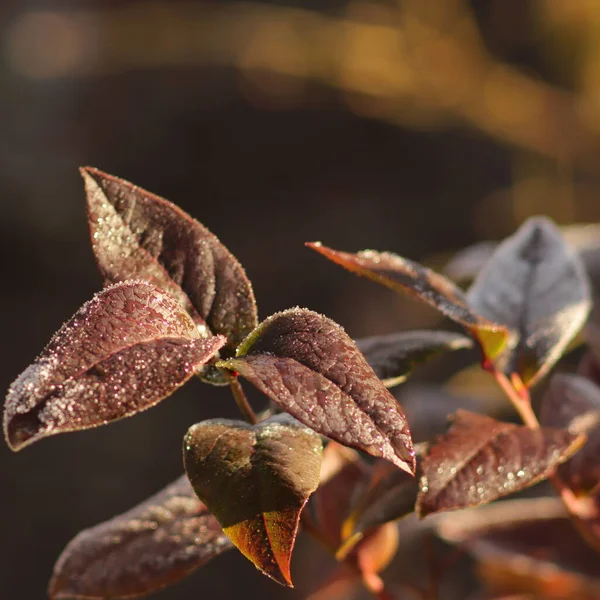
[{"x": 417, "y": 127}]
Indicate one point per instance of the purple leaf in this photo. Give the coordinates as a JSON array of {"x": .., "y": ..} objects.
[
  {"x": 480, "y": 459},
  {"x": 395, "y": 355},
  {"x": 536, "y": 286},
  {"x": 136, "y": 234},
  {"x": 256, "y": 480},
  {"x": 153, "y": 545},
  {"x": 125, "y": 350},
  {"x": 406, "y": 276},
  {"x": 311, "y": 368},
  {"x": 573, "y": 402}
]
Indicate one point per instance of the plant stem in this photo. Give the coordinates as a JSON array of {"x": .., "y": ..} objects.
[
  {"x": 578, "y": 508},
  {"x": 521, "y": 402},
  {"x": 242, "y": 401}
]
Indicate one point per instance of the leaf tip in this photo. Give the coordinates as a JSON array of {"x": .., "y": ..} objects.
[
  {"x": 20, "y": 430},
  {"x": 88, "y": 173}
]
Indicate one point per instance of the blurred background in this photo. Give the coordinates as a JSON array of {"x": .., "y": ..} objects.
[{"x": 418, "y": 127}]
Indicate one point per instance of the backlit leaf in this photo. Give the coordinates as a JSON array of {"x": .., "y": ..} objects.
[
  {"x": 136, "y": 234},
  {"x": 409, "y": 277},
  {"x": 311, "y": 368},
  {"x": 395, "y": 355},
  {"x": 480, "y": 459},
  {"x": 573, "y": 402},
  {"x": 125, "y": 350},
  {"x": 153, "y": 545},
  {"x": 536, "y": 286},
  {"x": 256, "y": 480}
]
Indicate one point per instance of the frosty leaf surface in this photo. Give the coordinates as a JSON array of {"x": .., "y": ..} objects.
[
  {"x": 136, "y": 234},
  {"x": 256, "y": 480},
  {"x": 155, "y": 544},
  {"x": 311, "y": 368},
  {"x": 125, "y": 350}
]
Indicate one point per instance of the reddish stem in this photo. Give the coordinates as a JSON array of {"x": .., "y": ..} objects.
[
  {"x": 242, "y": 401},
  {"x": 578, "y": 508}
]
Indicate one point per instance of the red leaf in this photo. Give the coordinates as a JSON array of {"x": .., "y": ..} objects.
[
  {"x": 406, "y": 276},
  {"x": 125, "y": 350},
  {"x": 480, "y": 459},
  {"x": 136, "y": 234},
  {"x": 311, "y": 368}
]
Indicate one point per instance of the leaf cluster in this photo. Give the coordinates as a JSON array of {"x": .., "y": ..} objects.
[{"x": 336, "y": 457}]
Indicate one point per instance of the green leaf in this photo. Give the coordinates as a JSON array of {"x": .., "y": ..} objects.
[
  {"x": 256, "y": 480},
  {"x": 311, "y": 368}
]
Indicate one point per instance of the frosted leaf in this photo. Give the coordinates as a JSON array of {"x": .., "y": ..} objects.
[
  {"x": 312, "y": 369},
  {"x": 150, "y": 546},
  {"x": 122, "y": 352},
  {"x": 136, "y": 234}
]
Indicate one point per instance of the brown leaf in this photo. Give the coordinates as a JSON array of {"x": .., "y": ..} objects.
[
  {"x": 256, "y": 480},
  {"x": 311, "y": 368},
  {"x": 480, "y": 459},
  {"x": 573, "y": 402},
  {"x": 153, "y": 545},
  {"x": 125, "y": 350},
  {"x": 136, "y": 234},
  {"x": 536, "y": 286},
  {"x": 401, "y": 274}
]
